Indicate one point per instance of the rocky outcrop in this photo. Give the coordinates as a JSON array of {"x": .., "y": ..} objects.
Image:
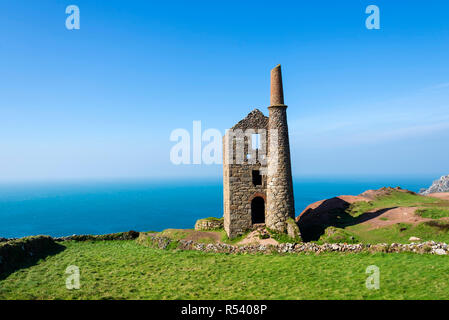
[
  {"x": 314, "y": 220},
  {"x": 209, "y": 224},
  {"x": 293, "y": 229},
  {"x": 438, "y": 186}
]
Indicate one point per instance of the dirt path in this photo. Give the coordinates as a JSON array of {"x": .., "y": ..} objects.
[
  {"x": 197, "y": 235},
  {"x": 442, "y": 195},
  {"x": 388, "y": 217},
  {"x": 253, "y": 238}
]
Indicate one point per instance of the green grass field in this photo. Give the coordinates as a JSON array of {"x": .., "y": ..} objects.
[{"x": 126, "y": 270}]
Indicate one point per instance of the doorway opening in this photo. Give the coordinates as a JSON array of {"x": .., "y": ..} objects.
[{"x": 258, "y": 210}]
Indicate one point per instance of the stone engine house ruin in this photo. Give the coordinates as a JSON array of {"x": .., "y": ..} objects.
[{"x": 257, "y": 178}]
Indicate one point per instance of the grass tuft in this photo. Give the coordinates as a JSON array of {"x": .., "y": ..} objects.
[
  {"x": 433, "y": 213},
  {"x": 337, "y": 235}
]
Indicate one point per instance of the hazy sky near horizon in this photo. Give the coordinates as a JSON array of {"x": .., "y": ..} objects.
[{"x": 101, "y": 102}]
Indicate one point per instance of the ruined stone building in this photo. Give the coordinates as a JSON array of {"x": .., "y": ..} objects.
[{"x": 257, "y": 178}]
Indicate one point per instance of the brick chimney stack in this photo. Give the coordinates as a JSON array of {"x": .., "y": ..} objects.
[{"x": 277, "y": 91}]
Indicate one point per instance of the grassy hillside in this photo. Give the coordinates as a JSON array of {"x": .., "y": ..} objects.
[
  {"x": 126, "y": 270},
  {"x": 347, "y": 226},
  {"x": 401, "y": 232},
  {"x": 402, "y": 199}
]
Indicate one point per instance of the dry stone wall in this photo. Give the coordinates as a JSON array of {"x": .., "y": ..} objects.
[
  {"x": 15, "y": 252},
  {"x": 429, "y": 247}
]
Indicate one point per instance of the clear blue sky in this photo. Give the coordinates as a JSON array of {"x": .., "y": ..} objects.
[{"x": 101, "y": 102}]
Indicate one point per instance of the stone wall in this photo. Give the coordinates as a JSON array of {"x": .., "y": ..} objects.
[
  {"x": 429, "y": 247},
  {"x": 14, "y": 253},
  {"x": 128, "y": 235},
  {"x": 241, "y": 193},
  {"x": 238, "y": 187}
]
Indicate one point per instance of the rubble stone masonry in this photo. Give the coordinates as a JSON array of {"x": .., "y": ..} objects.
[{"x": 270, "y": 199}]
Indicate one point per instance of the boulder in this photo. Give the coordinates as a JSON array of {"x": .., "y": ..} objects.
[
  {"x": 293, "y": 229},
  {"x": 209, "y": 224}
]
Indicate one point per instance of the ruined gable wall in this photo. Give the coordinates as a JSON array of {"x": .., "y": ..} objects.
[{"x": 238, "y": 188}]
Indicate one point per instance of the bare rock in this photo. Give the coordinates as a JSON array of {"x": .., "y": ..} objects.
[
  {"x": 439, "y": 252},
  {"x": 438, "y": 186},
  {"x": 293, "y": 229},
  {"x": 209, "y": 224}
]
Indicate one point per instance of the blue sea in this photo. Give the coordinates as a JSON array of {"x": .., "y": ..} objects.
[{"x": 66, "y": 208}]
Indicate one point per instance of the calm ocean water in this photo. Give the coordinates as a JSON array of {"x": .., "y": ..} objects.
[{"x": 60, "y": 209}]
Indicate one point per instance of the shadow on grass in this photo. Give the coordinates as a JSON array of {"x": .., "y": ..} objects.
[
  {"x": 25, "y": 260},
  {"x": 331, "y": 213},
  {"x": 442, "y": 226}
]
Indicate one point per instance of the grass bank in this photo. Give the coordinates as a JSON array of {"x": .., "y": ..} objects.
[{"x": 126, "y": 270}]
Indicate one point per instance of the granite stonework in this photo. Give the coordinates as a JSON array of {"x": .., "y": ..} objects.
[
  {"x": 239, "y": 191},
  {"x": 257, "y": 179},
  {"x": 279, "y": 186}
]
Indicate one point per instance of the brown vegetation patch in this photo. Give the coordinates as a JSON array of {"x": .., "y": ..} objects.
[{"x": 391, "y": 216}]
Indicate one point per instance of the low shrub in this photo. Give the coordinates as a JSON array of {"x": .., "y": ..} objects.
[
  {"x": 337, "y": 235},
  {"x": 433, "y": 213}
]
